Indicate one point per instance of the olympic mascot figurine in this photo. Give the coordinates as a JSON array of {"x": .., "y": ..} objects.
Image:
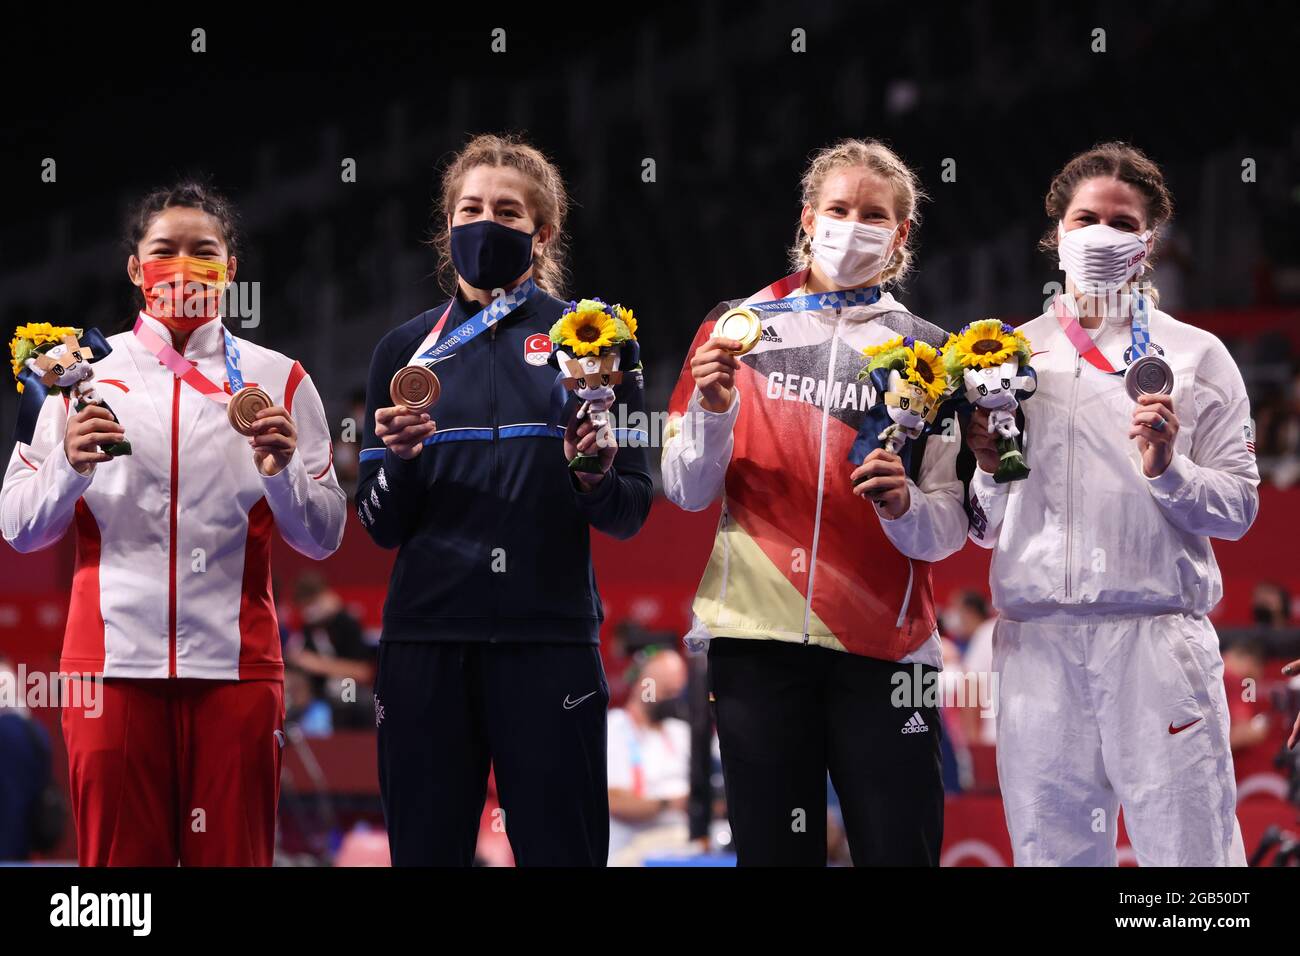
[
  {"x": 49, "y": 359},
  {"x": 988, "y": 363},
  {"x": 908, "y": 378},
  {"x": 593, "y": 346}
]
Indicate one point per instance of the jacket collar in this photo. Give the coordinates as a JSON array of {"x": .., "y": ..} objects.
[
  {"x": 207, "y": 341},
  {"x": 865, "y": 313},
  {"x": 462, "y": 309}
]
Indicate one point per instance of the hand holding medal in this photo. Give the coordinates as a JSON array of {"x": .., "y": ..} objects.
[
  {"x": 1155, "y": 428},
  {"x": 1149, "y": 381},
  {"x": 270, "y": 429}
]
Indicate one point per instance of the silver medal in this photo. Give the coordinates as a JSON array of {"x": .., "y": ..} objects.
[{"x": 1149, "y": 375}]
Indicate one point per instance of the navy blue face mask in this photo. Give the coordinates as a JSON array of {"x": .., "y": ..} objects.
[{"x": 489, "y": 255}]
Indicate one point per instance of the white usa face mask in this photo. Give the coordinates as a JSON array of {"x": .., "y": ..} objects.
[
  {"x": 850, "y": 253},
  {"x": 1099, "y": 259}
]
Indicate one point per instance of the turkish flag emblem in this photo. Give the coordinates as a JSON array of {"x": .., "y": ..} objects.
[{"x": 537, "y": 349}]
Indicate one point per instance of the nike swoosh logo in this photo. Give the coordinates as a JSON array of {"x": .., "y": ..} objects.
[
  {"x": 570, "y": 704},
  {"x": 1179, "y": 730}
]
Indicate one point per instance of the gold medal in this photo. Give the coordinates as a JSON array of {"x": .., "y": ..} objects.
[
  {"x": 414, "y": 386},
  {"x": 741, "y": 324},
  {"x": 244, "y": 406}
]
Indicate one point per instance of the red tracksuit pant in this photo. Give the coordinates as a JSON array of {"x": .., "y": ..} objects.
[{"x": 176, "y": 771}]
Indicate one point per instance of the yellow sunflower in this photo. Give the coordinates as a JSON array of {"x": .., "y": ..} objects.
[
  {"x": 586, "y": 332},
  {"x": 925, "y": 370},
  {"x": 983, "y": 344},
  {"x": 27, "y": 338},
  {"x": 628, "y": 319},
  {"x": 871, "y": 351}
]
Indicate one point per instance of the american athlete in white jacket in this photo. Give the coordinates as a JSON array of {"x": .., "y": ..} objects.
[
  {"x": 1110, "y": 681},
  {"x": 171, "y": 596}
]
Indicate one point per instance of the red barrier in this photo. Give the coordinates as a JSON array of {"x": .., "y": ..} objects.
[{"x": 650, "y": 578}]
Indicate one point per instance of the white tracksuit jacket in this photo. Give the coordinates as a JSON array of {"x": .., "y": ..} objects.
[
  {"x": 1110, "y": 686},
  {"x": 173, "y": 574}
]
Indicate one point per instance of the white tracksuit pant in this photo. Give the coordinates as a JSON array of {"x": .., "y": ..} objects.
[
  {"x": 1111, "y": 685},
  {"x": 1101, "y": 712}
]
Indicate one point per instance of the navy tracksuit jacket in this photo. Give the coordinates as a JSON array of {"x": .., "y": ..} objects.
[{"x": 489, "y": 651}]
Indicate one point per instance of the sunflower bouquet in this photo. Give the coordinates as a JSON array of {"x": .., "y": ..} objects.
[
  {"x": 988, "y": 362},
  {"x": 56, "y": 359},
  {"x": 594, "y": 345},
  {"x": 910, "y": 384}
]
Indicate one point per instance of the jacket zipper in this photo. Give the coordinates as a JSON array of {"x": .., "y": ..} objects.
[
  {"x": 171, "y": 526},
  {"x": 821, "y": 478},
  {"x": 492, "y": 399},
  {"x": 496, "y": 438},
  {"x": 1069, "y": 474}
]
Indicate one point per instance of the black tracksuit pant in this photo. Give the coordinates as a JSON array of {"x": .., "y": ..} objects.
[
  {"x": 534, "y": 712},
  {"x": 786, "y": 713}
]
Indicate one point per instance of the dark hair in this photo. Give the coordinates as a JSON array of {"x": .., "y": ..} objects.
[
  {"x": 1252, "y": 647},
  {"x": 976, "y": 602},
  {"x": 193, "y": 193},
  {"x": 1111, "y": 160}
]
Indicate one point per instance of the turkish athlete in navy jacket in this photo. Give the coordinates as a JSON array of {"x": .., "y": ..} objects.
[
  {"x": 489, "y": 652},
  {"x": 491, "y": 529}
]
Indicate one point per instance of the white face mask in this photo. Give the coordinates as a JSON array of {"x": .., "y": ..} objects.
[
  {"x": 850, "y": 253},
  {"x": 1099, "y": 259}
]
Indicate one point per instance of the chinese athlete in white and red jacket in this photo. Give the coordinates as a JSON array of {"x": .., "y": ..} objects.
[{"x": 171, "y": 597}]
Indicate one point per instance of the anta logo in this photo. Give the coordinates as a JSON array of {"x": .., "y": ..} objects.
[
  {"x": 788, "y": 387},
  {"x": 537, "y": 349},
  {"x": 769, "y": 335}
]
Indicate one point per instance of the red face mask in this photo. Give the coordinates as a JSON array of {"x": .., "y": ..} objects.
[{"x": 183, "y": 292}]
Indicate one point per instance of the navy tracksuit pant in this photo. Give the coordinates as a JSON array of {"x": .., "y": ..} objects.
[{"x": 445, "y": 711}]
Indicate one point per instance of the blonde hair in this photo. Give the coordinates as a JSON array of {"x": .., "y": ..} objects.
[
  {"x": 875, "y": 156},
  {"x": 547, "y": 198}
]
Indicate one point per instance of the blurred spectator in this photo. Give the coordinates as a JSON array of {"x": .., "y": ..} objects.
[
  {"x": 1271, "y": 606},
  {"x": 25, "y": 773},
  {"x": 302, "y": 707},
  {"x": 1249, "y": 716},
  {"x": 963, "y": 616},
  {"x": 1277, "y": 433},
  {"x": 332, "y": 650},
  {"x": 968, "y": 618},
  {"x": 347, "y": 453},
  {"x": 954, "y": 754},
  {"x": 649, "y": 761}
]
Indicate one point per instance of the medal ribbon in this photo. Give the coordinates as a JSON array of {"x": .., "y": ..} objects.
[
  {"x": 1140, "y": 329},
  {"x": 778, "y": 297},
  {"x": 185, "y": 370},
  {"x": 429, "y": 354}
]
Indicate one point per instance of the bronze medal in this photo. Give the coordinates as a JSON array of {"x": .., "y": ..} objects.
[
  {"x": 244, "y": 406},
  {"x": 414, "y": 386},
  {"x": 741, "y": 324}
]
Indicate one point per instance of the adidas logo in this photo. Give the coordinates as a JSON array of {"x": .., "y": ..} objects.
[
  {"x": 915, "y": 725},
  {"x": 769, "y": 335}
]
